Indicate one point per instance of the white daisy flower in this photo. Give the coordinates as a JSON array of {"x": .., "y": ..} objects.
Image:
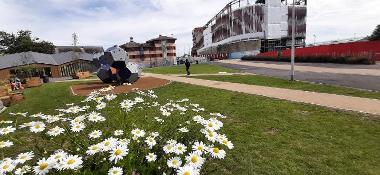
[
  {"x": 99, "y": 99},
  {"x": 174, "y": 162},
  {"x": 139, "y": 100},
  {"x": 37, "y": 127},
  {"x": 151, "y": 157},
  {"x": 7, "y": 166},
  {"x": 138, "y": 133},
  {"x": 199, "y": 119},
  {"x": 199, "y": 147},
  {"x": 77, "y": 127},
  {"x": 212, "y": 136},
  {"x": 109, "y": 144},
  {"x": 195, "y": 160},
  {"x": 23, "y": 157},
  {"x": 154, "y": 134},
  {"x": 169, "y": 148},
  {"x": 217, "y": 153},
  {"x": 127, "y": 105},
  {"x": 23, "y": 170},
  {"x": 124, "y": 142},
  {"x": 56, "y": 131},
  {"x": 110, "y": 97},
  {"x": 43, "y": 167},
  {"x": 222, "y": 139},
  {"x": 187, "y": 170},
  {"x": 213, "y": 124},
  {"x": 5, "y": 144},
  {"x": 101, "y": 105},
  {"x": 57, "y": 156},
  {"x": 150, "y": 142},
  {"x": 180, "y": 148},
  {"x": 93, "y": 149},
  {"x": 72, "y": 162},
  {"x": 7, "y": 130},
  {"x": 184, "y": 130},
  {"x": 78, "y": 119},
  {"x": 52, "y": 119},
  {"x": 118, "y": 133},
  {"x": 95, "y": 134},
  {"x": 118, "y": 153},
  {"x": 115, "y": 171},
  {"x": 171, "y": 141},
  {"x": 95, "y": 117},
  {"x": 159, "y": 120}
]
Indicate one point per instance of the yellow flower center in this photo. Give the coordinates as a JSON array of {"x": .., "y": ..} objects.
[
  {"x": 215, "y": 150},
  {"x": 170, "y": 147},
  {"x": 115, "y": 172},
  {"x": 174, "y": 162},
  {"x": 43, "y": 166},
  {"x": 200, "y": 148},
  {"x": 38, "y": 126},
  {"x": 210, "y": 125},
  {"x": 194, "y": 159},
  {"x": 118, "y": 152},
  {"x": 94, "y": 148},
  {"x": 186, "y": 173},
  {"x": 107, "y": 144},
  {"x": 23, "y": 157},
  {"x": 71, "y": 161},
  {"x": 5, "y": 167},
  {"x": 225, "y": 142}
]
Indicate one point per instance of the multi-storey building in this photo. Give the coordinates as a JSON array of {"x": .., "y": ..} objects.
[
  {"x": 159, "y": 51},
  {"x": 244, "y": 28}
]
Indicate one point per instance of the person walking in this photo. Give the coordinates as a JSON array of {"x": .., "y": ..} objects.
[{"x": 187, "y": 64}]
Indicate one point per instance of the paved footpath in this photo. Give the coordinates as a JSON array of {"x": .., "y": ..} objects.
[
  {"x": 350, "y": 71},
  {"x": 365, "y": 105}
]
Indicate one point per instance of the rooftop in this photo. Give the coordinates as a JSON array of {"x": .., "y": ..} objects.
[{"x": 26, "y": 58}]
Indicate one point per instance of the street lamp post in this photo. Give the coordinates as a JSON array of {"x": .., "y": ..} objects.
[{"x": 293, "y": 40}]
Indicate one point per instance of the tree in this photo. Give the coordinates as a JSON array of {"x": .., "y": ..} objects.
[
  {"x": 376, "y": 34},
  {"x": 23, "y": 42}
]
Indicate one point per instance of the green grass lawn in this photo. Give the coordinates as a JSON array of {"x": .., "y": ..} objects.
[
  {"x": 194, "y": 69},
  {"x": 270, "y": 136},
  {"x": 298, "y": 85}
]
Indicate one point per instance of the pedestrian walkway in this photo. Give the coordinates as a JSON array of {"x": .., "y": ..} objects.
[
  {"x": 350, "y": 71},
  {"x": 365, "y": 105}
]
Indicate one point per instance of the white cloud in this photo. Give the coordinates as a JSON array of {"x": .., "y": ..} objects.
[{"x": 100, "y": 22}]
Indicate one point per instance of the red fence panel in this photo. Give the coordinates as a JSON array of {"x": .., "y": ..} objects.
[{"x": 353, "y": 49}]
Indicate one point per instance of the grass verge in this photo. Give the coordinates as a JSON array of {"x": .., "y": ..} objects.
[
  {"x": 297, "y": 85},
  {"x": 194, "y": 69},
  {"x": 270, "y": 136}
]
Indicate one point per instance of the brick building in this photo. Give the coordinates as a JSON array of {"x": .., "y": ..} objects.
[{"x": 159, "y": 51}]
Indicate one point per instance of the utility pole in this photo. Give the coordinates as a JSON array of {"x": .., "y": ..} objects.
[
  {"x": 315, "y": 36},
  {"x": 293, "y": 40},
  {"x": 75, "y": 39}
]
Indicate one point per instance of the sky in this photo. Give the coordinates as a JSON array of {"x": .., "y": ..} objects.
[{"x": 113, "y": 22}]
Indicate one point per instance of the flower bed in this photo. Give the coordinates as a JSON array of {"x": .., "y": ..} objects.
[{"x": 177, "y": 137}]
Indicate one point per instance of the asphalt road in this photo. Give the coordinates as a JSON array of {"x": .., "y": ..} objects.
[{"x": 354, "y": 81}]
